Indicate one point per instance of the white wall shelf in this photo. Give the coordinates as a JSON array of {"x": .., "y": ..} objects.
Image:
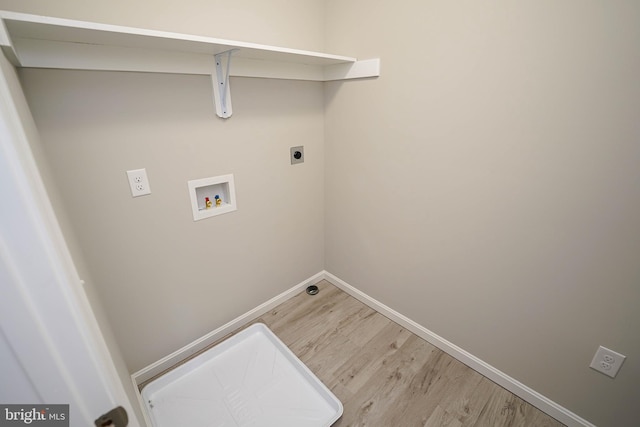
[
  {"x": 201, "y": 189},
  {"x": 47, "y": 42}
]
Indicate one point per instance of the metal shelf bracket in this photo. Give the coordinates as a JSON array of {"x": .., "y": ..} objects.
[{"x": 221, "y": 89}]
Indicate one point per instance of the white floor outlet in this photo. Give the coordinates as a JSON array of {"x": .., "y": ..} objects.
[{"x": 607, "y": 361}]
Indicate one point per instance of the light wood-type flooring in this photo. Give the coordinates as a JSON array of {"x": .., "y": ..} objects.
[{"x": 385, "y": 375}]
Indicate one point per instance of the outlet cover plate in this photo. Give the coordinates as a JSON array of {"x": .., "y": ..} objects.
[
  {"x": 607, "y": 361},
  {"x": 297, "y": 158},
  {"x": 138, "y": 182}
]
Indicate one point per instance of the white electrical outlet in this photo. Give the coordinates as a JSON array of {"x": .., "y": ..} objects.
[
  {"x": 607, "y": 361},
  {"x": 138, "y": 182}
]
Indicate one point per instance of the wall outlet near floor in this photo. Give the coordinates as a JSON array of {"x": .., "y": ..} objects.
[
  {"x": 138, "y": 182},
  {"x": 607, "y": 361}
]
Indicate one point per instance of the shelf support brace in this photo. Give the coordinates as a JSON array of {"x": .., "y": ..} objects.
[{"x": 221, "y": 89}]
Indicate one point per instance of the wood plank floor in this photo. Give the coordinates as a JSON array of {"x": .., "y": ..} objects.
[{"x": 385, "y": 375}]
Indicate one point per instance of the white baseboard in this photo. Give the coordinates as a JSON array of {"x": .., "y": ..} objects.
[
  {"x": 165, "y": 363},
  {"x": 541, "y": 402}
]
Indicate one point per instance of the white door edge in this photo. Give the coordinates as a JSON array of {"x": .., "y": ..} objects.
[{"x": 44, "y": 313}]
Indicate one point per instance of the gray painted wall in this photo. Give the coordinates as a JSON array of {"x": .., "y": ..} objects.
[
  {"x": 487, "y": 185},
  {"x": 165, "y": 279}
]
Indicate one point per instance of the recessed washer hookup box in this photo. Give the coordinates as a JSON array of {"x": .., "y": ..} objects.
[{"x": 250, "y": 379}]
